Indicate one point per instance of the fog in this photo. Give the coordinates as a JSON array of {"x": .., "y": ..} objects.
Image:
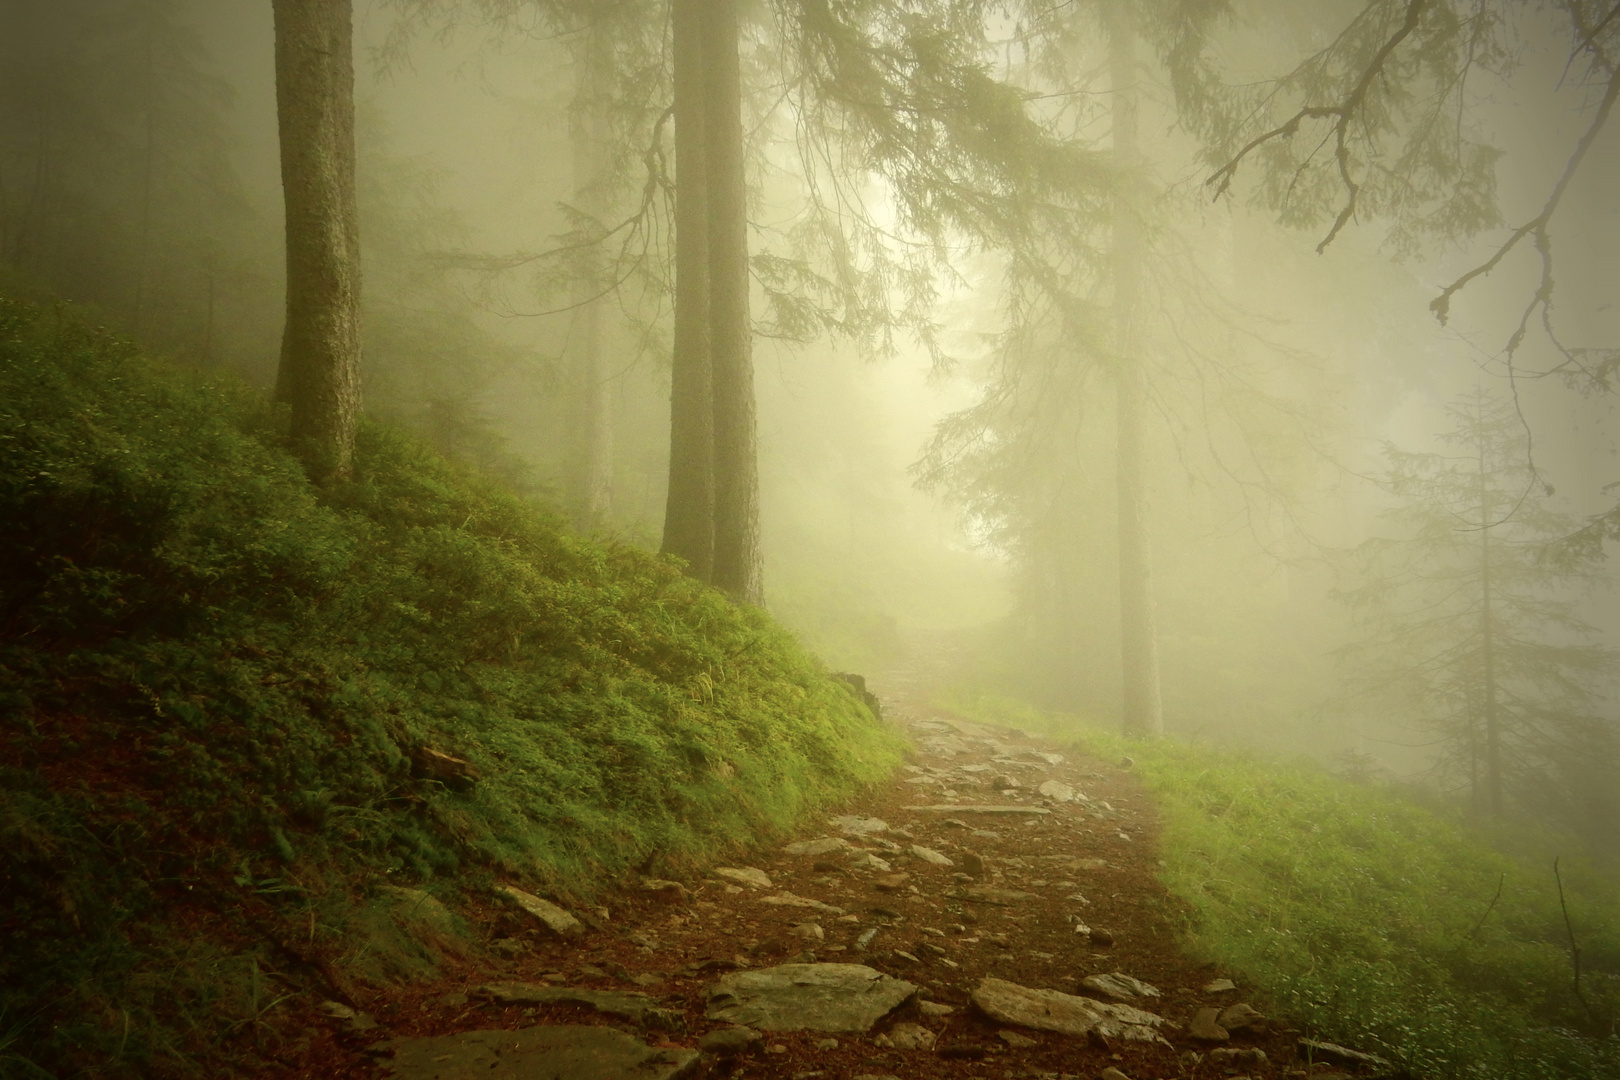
[{"x": 936, "y": 435}]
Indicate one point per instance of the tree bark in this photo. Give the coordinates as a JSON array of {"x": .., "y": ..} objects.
[
  {"x": 737, "y": 564},
  {"x": 593, "y": 479},
  {"x": 1143, "y": 710},
  {"x": 319, "y": 376},
  {"x": 689, "y": 509}
]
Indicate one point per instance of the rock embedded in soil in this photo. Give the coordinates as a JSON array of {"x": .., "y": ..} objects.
[
  {"x": 744, "y": 875},
  {"x": 1066, "y": 1014},
  {"x": 1218, "y": 985},
  {"x": 1056, "y": 790},
  {"x": 911, "y": 1037},
  {"x": 1000, "y": 808},
  {"x": 730, "y": 1041},
  {"x": 930, "y": 856},
  {"x": 986, "y": 894},
  {"x": 633, "y": 1006},
  {"x": 1119, "y": 986},
  {"x": 1238, "y": 1055},
  {"x": 553, "y": 917},
  {"x": 852, "y": 825},
  {"x": 808, "y": 997},
  {"x": 1205, "y": 1025},
  {"x": 1240, "y": 1017},
  {"x": 1015, "y": 1040},
  {"x": 787, "y": 899},
  {"x": 826, "y": 845},
  {"x": 556, "y": 1052}
]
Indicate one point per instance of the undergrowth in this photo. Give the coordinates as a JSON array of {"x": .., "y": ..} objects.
[
  {"x": 219, "y": 688},
  {"x": 1373, "y": 921}
]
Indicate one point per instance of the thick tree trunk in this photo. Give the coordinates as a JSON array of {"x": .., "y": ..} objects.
[
  {"x": 689, "y": 509},
  {"x": 737, "y": 564},
  {"x": 1143, "y": 711},
  {"x": 319, "y": 375},
  {"x": 593, "y": 476}
]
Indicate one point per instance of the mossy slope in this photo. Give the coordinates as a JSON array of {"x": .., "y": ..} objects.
[{"x": 214, "y": 678}]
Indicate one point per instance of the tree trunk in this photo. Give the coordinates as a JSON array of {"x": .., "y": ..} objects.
[
  {"x": 689, "y": 509},
  {"x": 593, "y": 478},
  {"x": 1493, "y": 725},
  {"x": 1143, "y": 711},
  {"x": 319, "y": 376},
  {"x": 737, "y": 567}
]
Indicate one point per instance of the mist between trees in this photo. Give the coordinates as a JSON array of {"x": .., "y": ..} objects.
[{"x": 1239, "y": 371}]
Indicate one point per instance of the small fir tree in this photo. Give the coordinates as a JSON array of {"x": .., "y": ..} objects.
[{"x": 1476, "y": 631}]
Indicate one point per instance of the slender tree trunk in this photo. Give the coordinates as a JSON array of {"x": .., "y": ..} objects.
[
  {"x": 737, "y": 566},
  {"x": 689, "y": 509},
  {"x": 319, "y": 376},
  {"x": 1143, "y": 712},
  {"x": 1487, "y": 644},
  {"x": 593, "y": 480}
]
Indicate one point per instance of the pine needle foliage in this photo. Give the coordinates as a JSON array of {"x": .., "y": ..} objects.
[{"x": 219, "y": 684}]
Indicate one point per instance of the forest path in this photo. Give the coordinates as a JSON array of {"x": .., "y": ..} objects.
[{"x": 1028, "y": 874}]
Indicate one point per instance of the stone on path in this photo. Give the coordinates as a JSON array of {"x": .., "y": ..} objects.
[
  {"x": 1240, "y": 1016},
  {"x": 1119, "y": 986},
  {"x": 825, "y": 845},
  {"x": 1057, "y": 791},
  {"x": 1015, "y": 1040},
  {"x": 731, "y": 1041},
  {"x": 930, "y": 856},
  {"x": 559, "y": 921},
  {"x": 1205, "y": 1025},
  {"x": 910, "y": 1037},
  {"x": 1218, "y": 985},
  {"x": 807, "y": 997},
  {"x": 891, "y": 882},
  {"x": 986, "y": 894},
  {"x": 630, "y": 1005},
  {"x": 787, "y": 899},
  {"x": 851, "y": 825},
  {"x": 1066, "y": 1014},
  {"x": 553, "y": 1052},
  {"x": 1112, "y": 1073},
  {"x": 967, "y": 808},
  {"x": 744, "y": 875}
]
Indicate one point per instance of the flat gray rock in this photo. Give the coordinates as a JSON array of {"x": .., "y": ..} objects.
[
  {"x": 1066, "y": 1014},
  {"x": 807, "y": 997},
  {"x": 1118, "y": 986},
  {"x": 930, "y": 856},
  {"x": 744, "y": 875},
  {"x": 1057, "y": 791},
  {"x": 559, "y": 921},
  {"x": 552, "y": 1052},
  {"x": 851, "y": 825},
  {"x": 787, "y": 899},
  {"x": 954, "y": 808},
  {"x": 985, "y": 894}
]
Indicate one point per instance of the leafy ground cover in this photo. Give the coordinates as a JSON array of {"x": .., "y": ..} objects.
[
  {"x": 238, "y": 712},
  {"x": 1372, "y": 920}
]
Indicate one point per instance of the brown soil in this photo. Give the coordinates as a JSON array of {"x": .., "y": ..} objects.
[{"x": 1103, "y": 850}]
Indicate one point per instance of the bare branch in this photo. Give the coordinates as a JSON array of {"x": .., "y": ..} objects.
[
  {"x": 1536, "y": 226},
  {"x": 1342, "y": 114}
]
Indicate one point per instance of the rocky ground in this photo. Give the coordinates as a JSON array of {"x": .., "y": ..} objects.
[{"x": 994, "y": 912}]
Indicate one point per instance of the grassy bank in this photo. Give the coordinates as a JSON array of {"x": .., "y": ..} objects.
[
  {"x": 227, "y": 699},
  {"x": 1372, "y": 921}
]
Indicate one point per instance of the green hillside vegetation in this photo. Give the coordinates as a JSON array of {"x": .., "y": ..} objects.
[
  {"x": 1373, "y": 921},
  {"x": 222, "y": 691}
]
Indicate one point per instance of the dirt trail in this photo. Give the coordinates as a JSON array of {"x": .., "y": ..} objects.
[{"x": 1022, "y": 886}]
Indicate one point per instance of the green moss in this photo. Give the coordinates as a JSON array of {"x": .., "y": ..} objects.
[
  {"x": 216, "y": 679},
  {"x": 1370, "y": 919}
]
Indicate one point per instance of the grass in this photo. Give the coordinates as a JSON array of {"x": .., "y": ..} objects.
[
  {"x": 1373, "y": 921},
  {"x": 218, "y": 685}
]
